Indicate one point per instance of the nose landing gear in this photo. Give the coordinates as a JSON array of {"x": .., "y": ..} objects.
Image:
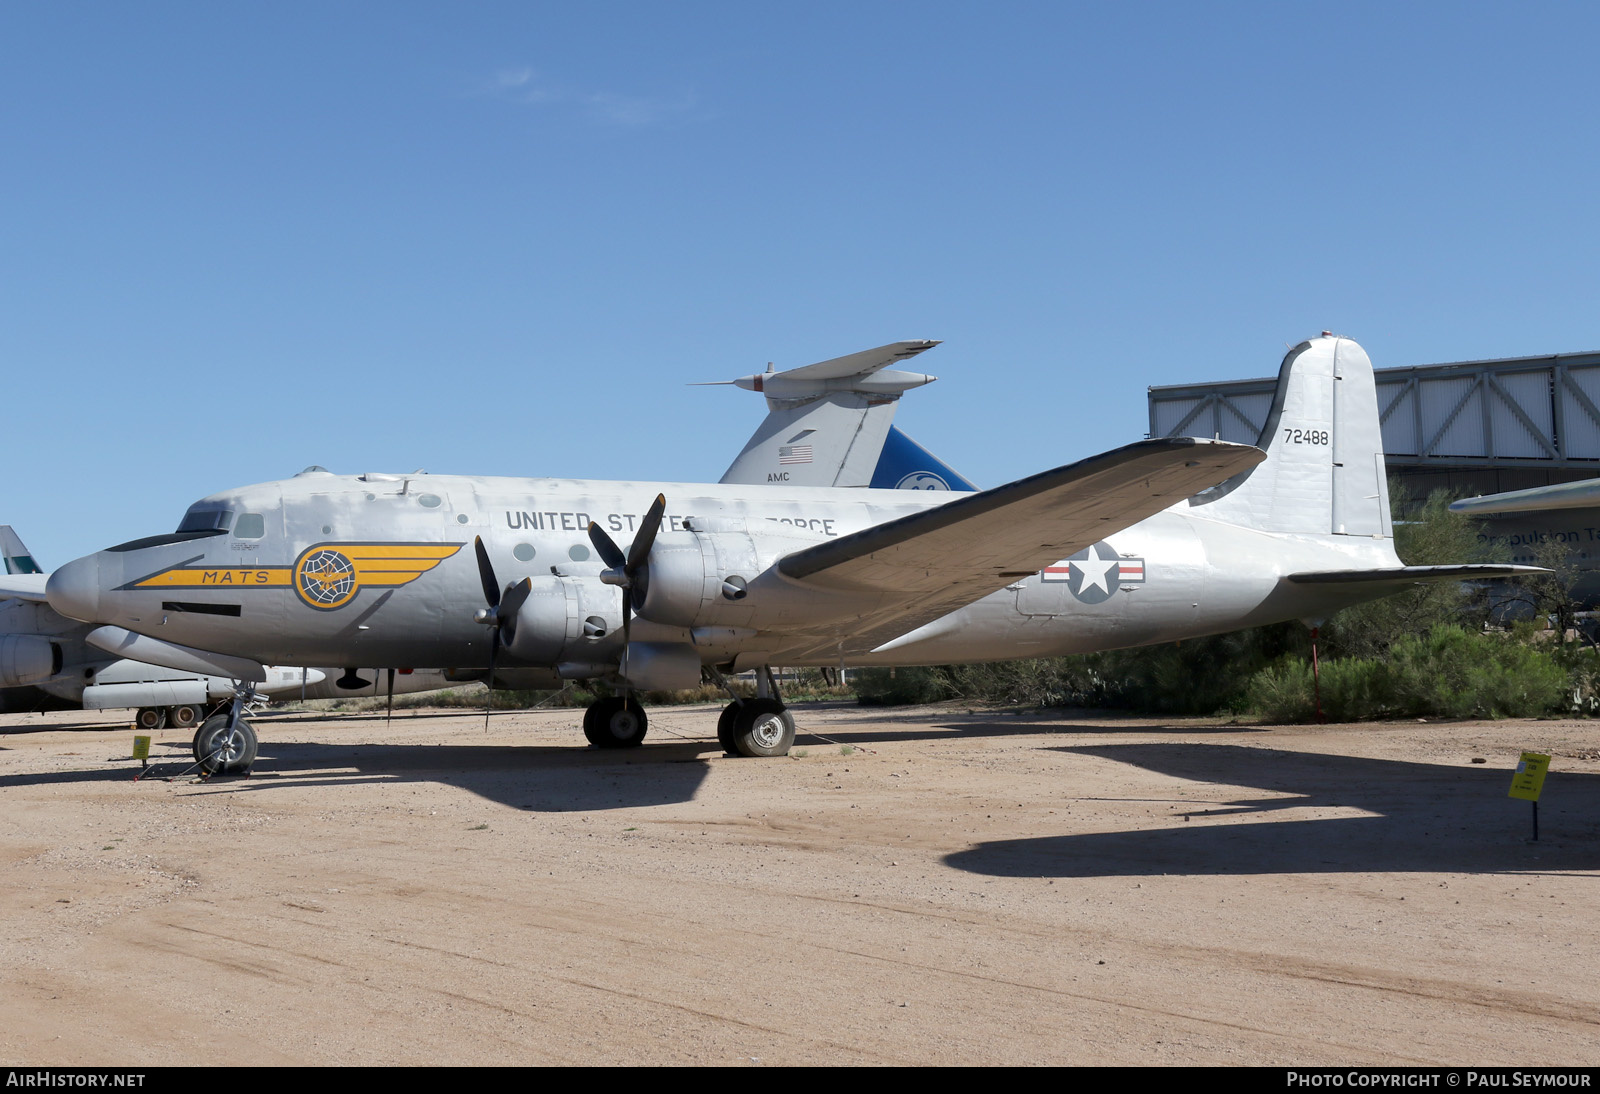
[{"x": 225, "y": 744}]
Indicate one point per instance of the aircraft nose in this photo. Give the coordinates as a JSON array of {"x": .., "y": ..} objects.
[{"x": 74, "y": 589}]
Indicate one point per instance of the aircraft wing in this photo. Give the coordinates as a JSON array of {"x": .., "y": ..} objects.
[
  {"x": 1411, "y": 575},
  {"x": 1565, "y": 495},
  {"x": 23, "y": 587},
  {"x": 919, "y": 567}
]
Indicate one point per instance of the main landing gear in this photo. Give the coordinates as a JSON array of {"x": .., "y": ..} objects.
[
  {"x": 616, "y": 722},
  {"x": 761, "y": 726},
  {"x": 755, "y": 727}
]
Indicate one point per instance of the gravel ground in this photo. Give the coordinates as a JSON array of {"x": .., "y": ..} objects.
[{"x": 919, "y": 886}]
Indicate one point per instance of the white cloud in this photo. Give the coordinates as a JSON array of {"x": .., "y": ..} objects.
[{"x": 524, "y": 86}]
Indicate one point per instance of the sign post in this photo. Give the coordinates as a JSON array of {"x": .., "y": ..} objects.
[{"x": 1528, "y": 780}]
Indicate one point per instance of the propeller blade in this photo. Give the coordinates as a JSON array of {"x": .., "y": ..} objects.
[
  {"x": 491, "y": 587},
  {"x": 388, "y": 710},
  {"x": 639, "y": 549},
  {"x": 606, "y": 546},
  {"x": 511, "y": 604}
]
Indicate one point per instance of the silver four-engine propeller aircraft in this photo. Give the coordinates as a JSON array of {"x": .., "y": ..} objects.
[{"x": 648, "y": 585}]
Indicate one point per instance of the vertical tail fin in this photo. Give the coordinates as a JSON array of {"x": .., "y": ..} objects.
[
  {"x": 1324, "y": 472},
  {"x": 18, "y": 559}
]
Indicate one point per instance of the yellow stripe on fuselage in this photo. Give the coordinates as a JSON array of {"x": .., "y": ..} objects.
[
  {"x": 226, "y": 577},
  {"x": 361, "y": 552}
]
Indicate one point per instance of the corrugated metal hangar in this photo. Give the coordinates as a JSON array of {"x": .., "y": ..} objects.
[{"x": 1473, "y": 427}]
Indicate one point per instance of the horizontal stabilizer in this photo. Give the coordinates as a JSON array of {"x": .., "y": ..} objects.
[
  {"x": 1411, "y": 575},
  {"x": 858, "y": 364}
]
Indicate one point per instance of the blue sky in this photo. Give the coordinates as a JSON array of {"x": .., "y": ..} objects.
[{"x": 501, "y": 238}]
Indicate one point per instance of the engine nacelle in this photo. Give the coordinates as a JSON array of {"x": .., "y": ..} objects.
[
  {"x": 701, "y": 577},
  {"x": 27, "y": 659},
  {"x": 563, "y": 618}
]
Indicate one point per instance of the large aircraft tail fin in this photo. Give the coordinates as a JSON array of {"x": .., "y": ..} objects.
[
  {"x": 906, "y": 465},
  {"x": 18, "y": 559},
  {"x": 1324, "y": 472},
  {"x": 827, "y": 423}
]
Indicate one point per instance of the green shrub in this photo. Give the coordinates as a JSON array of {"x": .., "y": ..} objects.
[{"x": 1449, "y": 672}]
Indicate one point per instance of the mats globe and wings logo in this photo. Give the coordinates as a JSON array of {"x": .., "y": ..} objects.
[{"x": 326, "y": 576}]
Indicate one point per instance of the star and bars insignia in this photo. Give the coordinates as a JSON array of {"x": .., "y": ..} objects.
[{"x": 1095, "y": 572}]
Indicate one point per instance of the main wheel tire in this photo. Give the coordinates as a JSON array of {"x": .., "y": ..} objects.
[
  {"x": 225, "y": 750},
  {"x": 182, "y": 717},
  {"x": 613, "y": 723},
  {"x": 725, "y": 728},
  {"x": 763, "y": 728},
  {"x": 150, "y": 719}
]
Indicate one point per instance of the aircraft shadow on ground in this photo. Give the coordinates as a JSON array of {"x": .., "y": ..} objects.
[
  {"x": 876, "y": 726},
  {"x": 1430, "y": 818},
  {"x": 545, "y": 779},
  {"x": 62, "y": 727}
]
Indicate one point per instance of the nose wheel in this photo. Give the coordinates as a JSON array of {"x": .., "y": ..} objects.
[
  {"x": 221, "y": 748},
  {"x": 615, "y": 723}
]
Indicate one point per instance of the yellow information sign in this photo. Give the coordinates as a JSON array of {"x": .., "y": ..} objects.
[
  {"x": 1529, "y": 777},
  {"x": 141, "y": 748}
]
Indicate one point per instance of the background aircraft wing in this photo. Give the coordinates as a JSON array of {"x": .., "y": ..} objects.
[
  {"x": 1565, "y": 495},
  {"x": 24, "y": 586},
  {"x": 916, "y": 568},
  {"x": 1400, "y": 576}
]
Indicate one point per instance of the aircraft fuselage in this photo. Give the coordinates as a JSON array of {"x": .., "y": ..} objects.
[{"x": 326, "y": 569}]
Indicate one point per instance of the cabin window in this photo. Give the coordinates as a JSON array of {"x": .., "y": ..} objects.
[
  {"x": 429, "y": 501},
  {"x": 523, "y": 552},
  {"x": 250, "y": 526},
  {"x": 578, "y": 553}
]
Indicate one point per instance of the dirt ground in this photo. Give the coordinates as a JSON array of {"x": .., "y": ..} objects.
[{"x": 922, "y": 886}]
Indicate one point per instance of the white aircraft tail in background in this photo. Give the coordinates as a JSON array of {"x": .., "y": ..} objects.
[{"x": 831, "y": 424}]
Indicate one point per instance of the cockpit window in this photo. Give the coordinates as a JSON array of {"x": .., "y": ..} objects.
[
  {"x": 162, "y": 541},
  {"x": 250, "y": 526},
  {"x": 206, "y": 520}
]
